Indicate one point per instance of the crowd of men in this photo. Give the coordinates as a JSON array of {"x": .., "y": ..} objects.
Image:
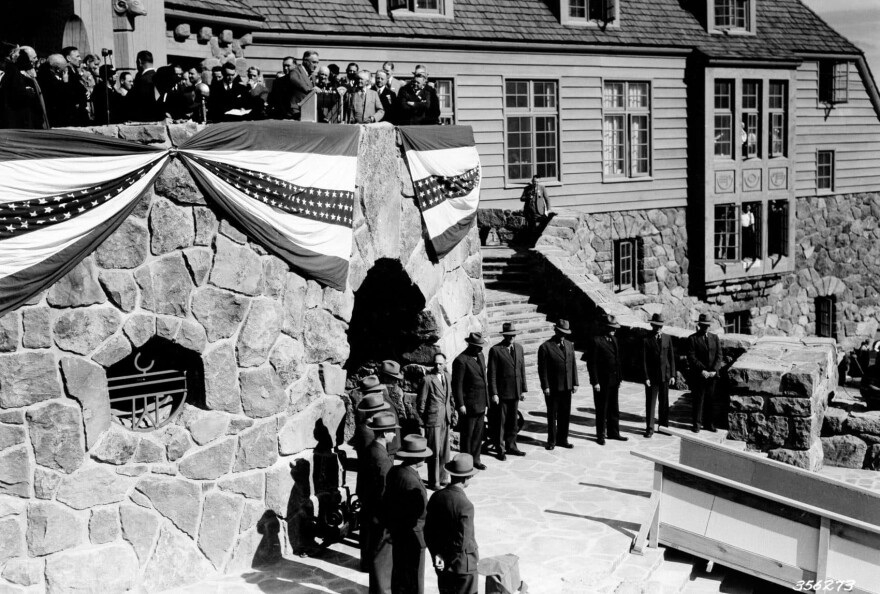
[
  {"x": 398, "y": 520},
  {"x": 69, "y": 89}
]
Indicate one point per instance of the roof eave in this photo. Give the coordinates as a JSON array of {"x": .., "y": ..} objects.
[{"x": 237, "y": 21}]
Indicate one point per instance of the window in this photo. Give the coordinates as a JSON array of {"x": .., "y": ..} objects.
[
  {"x": 531, "y": 111},
  {"x": 432, "y": 5},
  {"x": 726, "y": 232},
  {"x": 733, "y": 14},
  {"x": 833, "y": 81},
  {"x": 597, "y": 11},
  {"x": 751, "y": 119},
  {"x": 778, "y": 107},
  {"x": 626, "y": 259},
  {"x": 751, "y": 232},
  {"x": 444, "y": 88},
  {"x": 825, "y": 170},
  {"x": 826, "y": 316},
  {"x": 724, "y": 118},
  {"x": 411, "y": 8},
  {"x": 777, "y": 228},
  {"x": 738, "y": 322},
  {"x": 626, "y": 138}
]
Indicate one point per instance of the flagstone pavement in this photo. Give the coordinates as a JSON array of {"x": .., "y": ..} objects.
[{"x": 569, "y": 514}]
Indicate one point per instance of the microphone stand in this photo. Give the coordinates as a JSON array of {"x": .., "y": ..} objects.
[{"x": 107, "y": 88}]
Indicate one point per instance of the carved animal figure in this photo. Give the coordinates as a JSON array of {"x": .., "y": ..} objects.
[{"x": 130, "y": 8}]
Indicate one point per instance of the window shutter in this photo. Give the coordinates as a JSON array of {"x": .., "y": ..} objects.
[
  {"x": 608, "y": 15},
  {"x": 617, "y": 264},
  {"x": 639, "y": 264},
  {"x": 826, "y": 81}
]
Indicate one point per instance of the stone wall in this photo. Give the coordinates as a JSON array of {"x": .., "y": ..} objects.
[
  {"x": 851, "y": 434},
  {"x": 88, "y": 505}
]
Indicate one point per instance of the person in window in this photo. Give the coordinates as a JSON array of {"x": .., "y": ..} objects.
[
  {"x": 363, "y": 105},
  {"x": 386, "y": 95},
  {"x": 417, "y": 102},
  {"x": 749, "y": 236},
  {"x": 536, "y": 207}
]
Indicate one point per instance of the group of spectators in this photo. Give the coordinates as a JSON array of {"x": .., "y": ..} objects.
[{"x": 69, "y": 89}]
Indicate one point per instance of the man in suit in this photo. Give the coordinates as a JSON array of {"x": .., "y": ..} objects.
[
  {"x": 228, "y": 95},
  {"x": 603, "y": 365},
  {"x": 417, "y": 102},
  {"x": 449, "y": 531},
  {"x": 79, "y": 93},
  {"x": 376, "y": 467},
  {"x": 21, "y": 98},
  {"x": 394, "y": 83},
  {"x": 371, "y": 385},
  {"x": 60, "y": 106},
  {"x": 507, "y": 385},
  {"x": 471, "y": 397},
  {"x": 282, "y": 91},
  {"x": 658, "y": 367},
  {"x": 436, "y": 409},
  {"x": 106, "y": 98},
  {"x": 557, "y": 371},
  {"x": 302, "y": 82},
  {"x": 704, "y": 357},
  {"x": 536, "y": 206},
  {"x": 362, "y": 104},
  {"x": 404, "y": 505},
  {"x": 369, "y": 405},
  {"x": 386, "y": 95},
  {"x": 142, "y": 100}
]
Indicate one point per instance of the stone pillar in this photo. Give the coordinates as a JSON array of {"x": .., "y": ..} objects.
[{"x": 779, "y": 390}]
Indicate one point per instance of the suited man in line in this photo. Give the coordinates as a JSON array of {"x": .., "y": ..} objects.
[
  {"x": 436, "y": 410},
  {"x": 370, "y": 385},
  {"x": 469, "y": 390},
  {"x": 449, "y": 531},
  {"x": 507, "y": 385},
  {"x": 704, "y": 357},
  {"x": 557, "y": 371},
  {"x": 376, "y": 467},
  {"x": 404, "y": 504},
  {"x": 658, "y": 366},
  {"x": 603, "y": 364}
]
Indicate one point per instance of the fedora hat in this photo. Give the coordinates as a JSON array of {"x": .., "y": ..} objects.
[
  {"x": 704, "y": 320},
  {"x": 414, "y": 446},
  {"x": 657, "y": 320},
  {"x": 383, "y": 422},
  {"x": 610, "y": 321},
  {"x": 509, "y": 328},
  {"x": 562, "y": 326},
  {"x": 391, "y": 368},
  {"x": 369, "y": 384},
  {"x": 475, "y": 338},
  {"x": 372, "y": 402},
  {"x": 461, "y": 465}
]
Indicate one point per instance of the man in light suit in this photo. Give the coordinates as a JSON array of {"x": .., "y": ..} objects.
[
  {"x": 363, "y": 104},
  {"x": 507, "y": 385},
  {"x": 658, "y": 366},
  {"x": 471, "y": 396},
  {"x": 603, "y": 364},
  {"x": 435, "y": 409},
  {"x": 704, "y": 357},
  {"x": 302, "y": 82},
  {"x": 557, "y": 371}
]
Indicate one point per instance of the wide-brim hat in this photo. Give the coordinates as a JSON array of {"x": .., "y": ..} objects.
[
  {"x": 657, "y": 320},
  {"x": 562, "y": 326},
  {"x": 611, "y": 322},
  {"x": 461, "y": 465},
  {"x": 370, "y": 384},
  {"x": 509, "y": 328},
  {"x": 383, "y": 422},
  {"x": 475, "y": 338},
  {"x": 391, "y": 368},
  {"x": 704, "y": 320},
  {"x": 414, "y": 446},
  {"x": 373, "y": 402}
]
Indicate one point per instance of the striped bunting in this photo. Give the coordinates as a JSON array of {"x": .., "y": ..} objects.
[
  {"x": 290, "y": 185},
  {"x": 445, "y": 168}
]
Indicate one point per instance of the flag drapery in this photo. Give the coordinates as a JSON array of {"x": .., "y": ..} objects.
[{"x": 445, "y": 169}]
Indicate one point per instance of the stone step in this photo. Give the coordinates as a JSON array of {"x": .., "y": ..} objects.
[
  {"x": 496, "y": 298},
  {"x": 514, "y": 310},
  {"x": 533, "y": 338},
  {"x": 522, "y": 319},
  {"x": 671, "y": 575},
  {"x": 507, "y": 275},
  {"x": 532, "y": 325}
]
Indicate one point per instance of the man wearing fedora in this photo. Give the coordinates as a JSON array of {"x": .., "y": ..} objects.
[
  {"x": 658, "y": 365},
  {"x": 363, "y": 436},
  {"x": 471, "y": 397},
  {"x": 704, "y": 358},
  {"x": 404, "y": 505},
  {"x": 436, "y": 409},
  {"x": 391, "y": 377},
  {"x": 603, "y": 365},
  {"x": 507, "y": 385},
  {"x": 370, "y": 404},
  {"x": 449, "y": 531},
  {"x": 378, "y": 537},
  {"x": 557, "y": 371}
]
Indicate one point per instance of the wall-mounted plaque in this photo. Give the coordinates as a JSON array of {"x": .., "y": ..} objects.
[
  {"x": 751, "y": 180},
  {"x": 724, "y": 182},
  {"x": 779, "y": 178}
]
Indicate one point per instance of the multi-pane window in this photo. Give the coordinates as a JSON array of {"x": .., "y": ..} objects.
[
  {"x": 444, "y": 87},
  {"x": 825, "y": 170},
  {"x": 751, "y": 119},
  {"x": 591, "y": 10},
  {"x": 732, "y": 14},
  {"x": 531, "y": 110},
  {"x": 724, "y": 118},
  {"x": 626, "y": 139},
  {"x": 577, "y": 9},
  {"x": 726, "y": 232},
  {"x": 432, "y": 5},
  {"x": 777, "y": 228},
  {"x": 833, "y": 81},
  {"x": 826, "y": 316},
  {"x": 625, "y": 264},
  {"x": 738, "y": 322},
  {"x": 777, "y": 103}
]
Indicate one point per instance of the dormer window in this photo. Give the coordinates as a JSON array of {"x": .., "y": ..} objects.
[
  {"x": 589, "y": 12},
  {"x": 732, "y": 16},
  {"x": 833, "y": 82},
  {"x": 420, "y": 8}
]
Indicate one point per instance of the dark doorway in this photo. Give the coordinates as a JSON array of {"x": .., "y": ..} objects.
[{"x": 389, "y": 321}]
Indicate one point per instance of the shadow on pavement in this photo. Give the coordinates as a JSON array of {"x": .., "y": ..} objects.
[
  {"x": 628, "y": 529},
  {"x": 618, "y": 489},
  {"x": 289, "y": 575}
]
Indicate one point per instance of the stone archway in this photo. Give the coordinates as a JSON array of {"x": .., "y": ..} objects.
[{"x": 75, "y": 35}]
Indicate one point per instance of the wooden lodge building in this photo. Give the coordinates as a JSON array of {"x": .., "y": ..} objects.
[{"x": 724, "y": 154}]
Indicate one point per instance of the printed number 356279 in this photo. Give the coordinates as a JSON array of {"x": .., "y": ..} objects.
[{"x": 828, "y": 585}]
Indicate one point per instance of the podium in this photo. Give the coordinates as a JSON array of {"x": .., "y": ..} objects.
[{"x": 309, "y": 107}]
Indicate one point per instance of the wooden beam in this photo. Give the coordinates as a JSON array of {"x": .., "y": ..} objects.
[
  {"x": 652, "y": 522},
  {"x": 824, "y": 542}
]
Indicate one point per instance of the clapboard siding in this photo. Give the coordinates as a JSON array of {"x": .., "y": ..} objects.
[{"x": 851, "y": 130}]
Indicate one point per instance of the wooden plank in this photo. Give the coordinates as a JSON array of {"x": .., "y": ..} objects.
[
  {"x": 685, "y": 507},
  {"x": 854, "y": 555},
  {"x": 652, "y": 523},
  {"x": 822, "y": 552}
]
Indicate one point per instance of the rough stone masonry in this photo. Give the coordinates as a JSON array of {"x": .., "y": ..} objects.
[{"x": 87, "y": 505}]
